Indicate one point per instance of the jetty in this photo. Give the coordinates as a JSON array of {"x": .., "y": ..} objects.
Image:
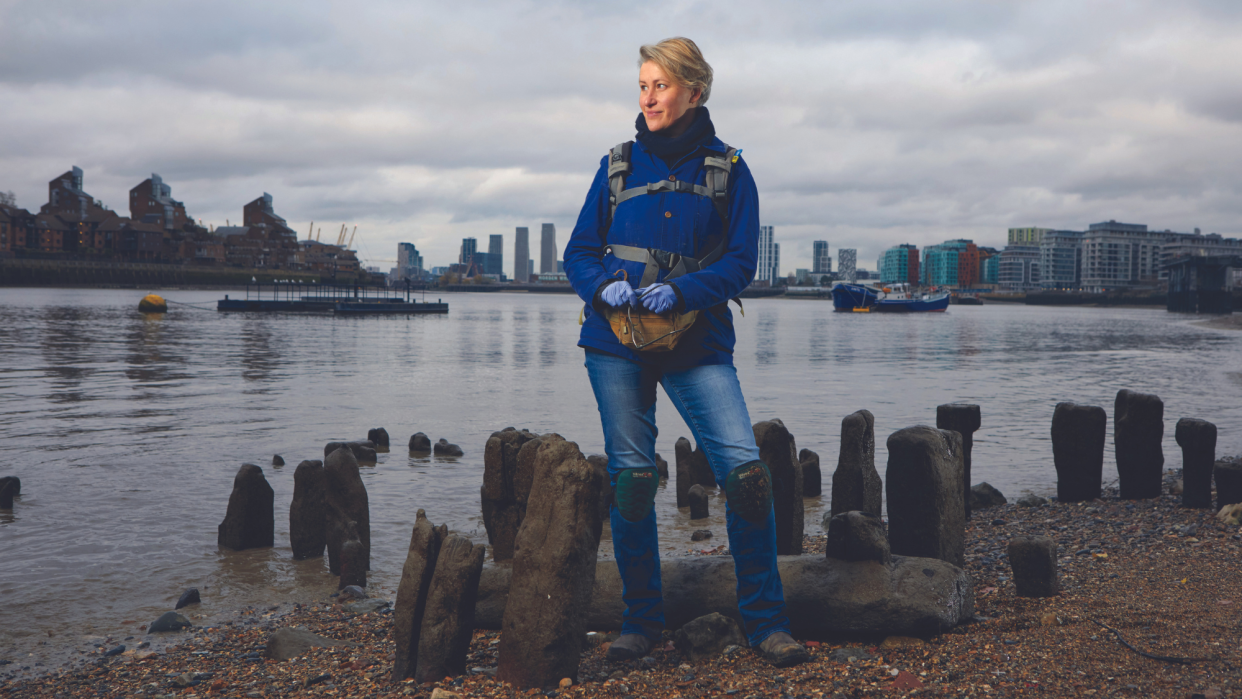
[{"x": 338, "y": 299}]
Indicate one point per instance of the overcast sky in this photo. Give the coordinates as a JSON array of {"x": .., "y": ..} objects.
[{"x": 866, "y": 124}]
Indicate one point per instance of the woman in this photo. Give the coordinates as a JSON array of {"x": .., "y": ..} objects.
[{"x": 679, "y": 220}]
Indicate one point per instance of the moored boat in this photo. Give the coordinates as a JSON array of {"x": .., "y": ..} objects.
[{"x": 895, "y": 298}]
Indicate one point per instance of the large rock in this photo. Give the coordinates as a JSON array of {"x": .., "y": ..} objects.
[
  {"x": 982, "y": 496},
  {"x": 707, "y": 636},
  {"x": 1078, "y": 450},
  {"x": 964, "y": 419},
  {"x": 1197, "y": 438},
  {"x": 692, "y": 469},
  {"x": 1228, "y": 473},
  {"x": 1034, "y": 563},
  {"x": 554, "y": 569},
  {"x": 169, "y": 621},
  {"x": 188, "y": 597},
  {"x": 504, "y": 489},
  {"x": 10, "y": 487},
  {"x": 856, "y": 485},
  {"x": 378, "y": 436},
  {"x": 289, "y": 643},
  {"x": 824, "y": 597},
  {"x": 420, "y": 443},
  {"x": 812, "y": 477},
  {"x": 308, "y": 512},
  {"x": 448, "y": 619},
  {"x": 249, "y": 521},
  {"x": 857, "y": 536},
  {"x": 1138, "y": 431},
  {"x": 347, "y": 502},
  {"x": 407, "y": 621},
  {"x": 363, "y": 450},
  {"x": 778, "y": 451},
  {"x": 926, "y": 515}
]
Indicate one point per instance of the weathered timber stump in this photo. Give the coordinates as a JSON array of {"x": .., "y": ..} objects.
[
  {"x": 448, "y": 617},
  {"x": 778, "y": 451},
  {"x": 308, "y": 512},
  {"x": 856, "y": 485},
  {"x": 812, "y": 478},
  {"x": 504, "y": 490},
  {"x": 1138, "y": 431},
  {"x": 1197, "y": 438},
  {"x": 964, "y": 419},
  {"x": 1228, "y": 473},
  {"x": 249, "y": 521},
  {"x": 407, "y": 621},
  {"x": 926, "y": 516},
  {"x": 1034, "y": 563},
  {"x": 554, "y": 568},
  {"x": 698, "y": 502},
  {"x": 347, "y": 502},
  {"x": 1078, "y": 435},
  {"x": 379, "y": 436}
]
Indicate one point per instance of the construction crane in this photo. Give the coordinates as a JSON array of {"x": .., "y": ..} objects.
[
  {"x": 319, "y": 233},
  {"x": 311, "y": 234},
  {"x": 340, "y": 237},
  {"x": 351, "y": 238}
]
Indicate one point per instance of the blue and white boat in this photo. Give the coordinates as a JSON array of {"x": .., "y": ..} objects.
[
  {"x": 858, "y": 298},
  {"x": 895, "y": 298}
]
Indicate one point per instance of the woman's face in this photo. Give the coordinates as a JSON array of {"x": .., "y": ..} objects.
[{"x": 665, "y": 104}]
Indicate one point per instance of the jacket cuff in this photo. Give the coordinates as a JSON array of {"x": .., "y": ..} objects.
[
  {"x": 680, "y": 306},
  {"x": 596, "y": 301}
]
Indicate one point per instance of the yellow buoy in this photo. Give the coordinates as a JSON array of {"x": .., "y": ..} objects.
[{"x": 151, "y": 303}]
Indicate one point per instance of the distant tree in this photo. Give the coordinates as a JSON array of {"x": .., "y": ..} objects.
[{"x": 8, "y": 198}]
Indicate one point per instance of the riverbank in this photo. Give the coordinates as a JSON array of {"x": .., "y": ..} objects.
[
  {"x": 1150, "y": 573},
  {"x": 1229, "y": 322}
]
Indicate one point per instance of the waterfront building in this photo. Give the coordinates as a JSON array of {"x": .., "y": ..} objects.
[
  {"x": 521, "y": 255},
  {"x": 951, "y": 263},
  {"x": 1027, "y": 236},
  {"x": 847, "y": 264},
  {"x": 801, "y": 275},
  {"x": 989, "y": 266},
  {"x": 494, "y": 265},
  {"x": 151, "y": 202},
  {"x": 409, "y": 262},
  {"x": 821, "y": 259},
  {"x": 1019, "y": 268},
  {"x": 769, "y": 267},
  {"x": 1179, "y": 245},
  {"x": 1119, "y": 256},
  {"x": 547, "y": 250},
  {"x": 469, "y": 248},
  {"x": 900, "y": 265},
  {"x": 1060, "y": 260}
]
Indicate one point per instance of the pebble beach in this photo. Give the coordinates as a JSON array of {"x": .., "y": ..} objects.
[{"x": 1148, "y": 607}]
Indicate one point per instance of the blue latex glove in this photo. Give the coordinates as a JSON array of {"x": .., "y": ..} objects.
[
  {"x": 658, "y": 298},
  {"x": 619, "y": 294}
]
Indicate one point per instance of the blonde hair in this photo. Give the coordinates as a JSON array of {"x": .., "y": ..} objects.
[{"x": 682, "y": 60}]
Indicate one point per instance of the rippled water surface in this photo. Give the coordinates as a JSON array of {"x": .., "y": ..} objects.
[{"x": 127, "y": 430}]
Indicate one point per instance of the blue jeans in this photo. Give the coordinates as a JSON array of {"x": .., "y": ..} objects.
[{"x": 709, "y": 399}]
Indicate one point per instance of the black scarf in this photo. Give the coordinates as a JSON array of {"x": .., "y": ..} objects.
[{"x": 672, "y": 149}]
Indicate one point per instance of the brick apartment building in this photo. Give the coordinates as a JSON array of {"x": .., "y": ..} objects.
[{"x": 73, "y": 224}]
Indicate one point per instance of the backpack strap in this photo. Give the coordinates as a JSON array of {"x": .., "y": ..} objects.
[{"x": 619, "y": 167}]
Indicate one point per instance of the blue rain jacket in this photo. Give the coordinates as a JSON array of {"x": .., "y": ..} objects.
[{"x": 678, "y": 222}]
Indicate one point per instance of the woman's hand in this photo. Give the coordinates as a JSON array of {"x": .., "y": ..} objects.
[
  {"x": 618, "y": 294},
  {"x": 658, "y": 298}
]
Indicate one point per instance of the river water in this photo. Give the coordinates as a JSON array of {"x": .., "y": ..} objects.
[{"x": 127, "y": 430}]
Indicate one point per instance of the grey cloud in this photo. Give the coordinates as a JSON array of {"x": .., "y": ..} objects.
[{"x": 870, "y": 124}]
